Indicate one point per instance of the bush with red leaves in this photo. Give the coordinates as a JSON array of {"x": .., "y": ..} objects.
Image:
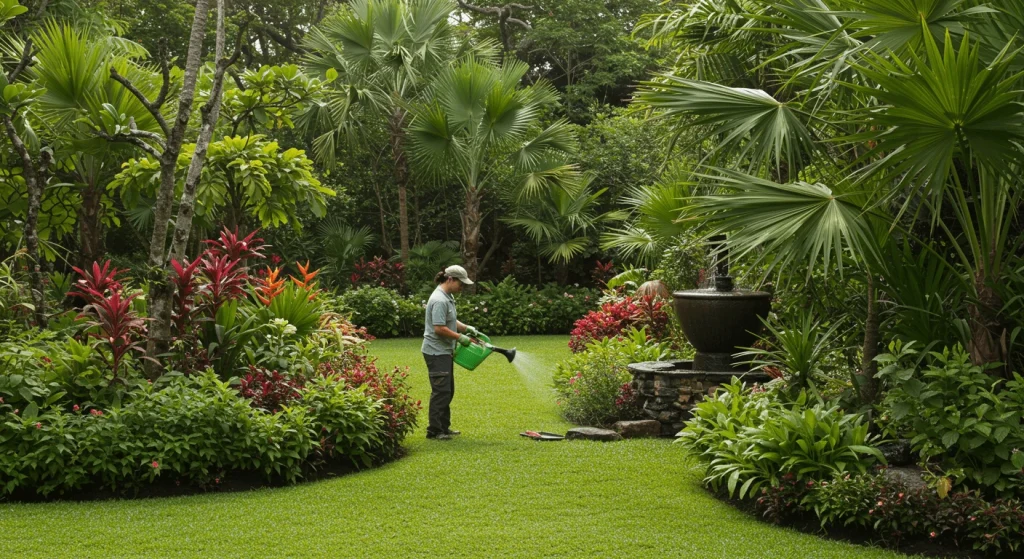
[
  {"x": 379, "y": 273},
  {"x": 357, "y": 369},
  {"x": 614, "y": 318},
  {"x": 269, "y": 390}
]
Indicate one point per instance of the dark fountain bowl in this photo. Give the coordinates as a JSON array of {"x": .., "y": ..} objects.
[{"x": 720, "y": 322}]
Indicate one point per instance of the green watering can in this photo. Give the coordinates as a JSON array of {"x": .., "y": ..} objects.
[{"x": 471, "y": 356}]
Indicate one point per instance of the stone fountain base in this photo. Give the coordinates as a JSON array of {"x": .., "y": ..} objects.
[{"x": 668, "y": 390}]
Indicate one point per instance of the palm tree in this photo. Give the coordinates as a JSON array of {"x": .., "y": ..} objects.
[
  {"x": 869, "y": 115},
  {"x": 656, "y": 220},
  {"x": 479, "y": 120},
  {"x": 343, "y": 246},
  {"x": 379, "y": 55},
  {"x": 563, "y": 219},
  {"x": 73, "y": 67},
  {"x": 427, "y": 259},
  {"x": 61, "y": 95}
]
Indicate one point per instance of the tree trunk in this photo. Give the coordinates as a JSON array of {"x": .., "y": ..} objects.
[
  {"x": 161, "y": 290},
  {"x": 495, "y": 243},
  {"x": 210, "y": 112},
  {"x": 396, "y": 127},
  {"x": 471, "y": 220},
  {"x": 866, "y": 384},
  {"x": 562, "y": 272},
  {"x": 90, "y": 227},
  {"x": 987, "y": 331},
  {"x": 384, "y": 242},
  {"x": 35, "y": 177}
]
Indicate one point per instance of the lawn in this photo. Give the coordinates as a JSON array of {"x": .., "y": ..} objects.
[{"x": 489, "y": 493}]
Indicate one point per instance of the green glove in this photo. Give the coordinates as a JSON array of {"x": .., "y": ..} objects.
[
  {"x": 464, "y": 340},
  {"x": 472, "y": 331}
]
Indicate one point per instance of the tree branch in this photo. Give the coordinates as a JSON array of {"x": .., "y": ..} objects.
[
  {"x": 134, "y": 138},
  {"x": 504, "y": 15},
  {"x": 165, "y": 74},
  {"x": 280, "y": 38},
  {"x": 520, "y": 23},
  {"x": 152, "y": 106},
  {"x": 26, "y": 57}
]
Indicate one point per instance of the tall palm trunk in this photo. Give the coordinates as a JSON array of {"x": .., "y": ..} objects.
[
  {"x": 987, "y": 330},
  {"x": 90, "y": 227},
  {"x": 396, "y": 129},
  {"x": 867, "y": 386},
  {"x": 471, "y": 222}
]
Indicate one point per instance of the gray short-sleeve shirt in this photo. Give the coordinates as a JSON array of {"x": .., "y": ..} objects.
[{"x": 440, "y": 311}]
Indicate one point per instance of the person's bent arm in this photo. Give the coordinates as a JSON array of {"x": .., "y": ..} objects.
[{"x": 446, "y": 332}]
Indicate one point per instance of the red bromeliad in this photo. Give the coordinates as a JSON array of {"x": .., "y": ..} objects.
[
  {"x": 184, "y": 280},
  {"x": 115, "y": 323},
  {"x": 96, "y": 282},
  {"x": 224, "y": 278},
  {"x": 228, "y": 244}
]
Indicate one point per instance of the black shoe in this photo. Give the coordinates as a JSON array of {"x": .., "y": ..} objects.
[
  {"x": 439, "y": 436},
  {"x": 453, "y": 432}
]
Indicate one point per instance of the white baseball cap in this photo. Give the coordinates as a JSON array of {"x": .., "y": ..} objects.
[{"x": 459, "y": 273}]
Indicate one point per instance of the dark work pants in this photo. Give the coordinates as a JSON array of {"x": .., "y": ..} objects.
[{"x": 441, "y": 370}]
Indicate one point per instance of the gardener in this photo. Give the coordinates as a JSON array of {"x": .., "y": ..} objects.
[{"x": 441, "y": 332}]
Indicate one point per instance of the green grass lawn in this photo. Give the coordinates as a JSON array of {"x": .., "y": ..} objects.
[{"x": 488, "y": 493}]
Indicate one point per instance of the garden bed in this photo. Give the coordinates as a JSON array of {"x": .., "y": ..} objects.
[
  {"x": 809, "y": 524},
  {"x": 233, "y": 482}
]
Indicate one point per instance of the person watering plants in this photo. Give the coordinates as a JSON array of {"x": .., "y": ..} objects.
[{"x": 441, "y": 332}]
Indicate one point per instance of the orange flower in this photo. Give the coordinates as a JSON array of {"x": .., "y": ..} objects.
[
  {"x": 307, "y": 282},
  {"x": 270, "y": 286}
]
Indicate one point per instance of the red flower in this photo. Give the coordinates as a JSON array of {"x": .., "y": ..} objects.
[
  {"x": 932, "y": 535},
  {"x": 39, "y": 425},
  {"x": 155, "y": 464},
  {"x": 75, "y": 407}
]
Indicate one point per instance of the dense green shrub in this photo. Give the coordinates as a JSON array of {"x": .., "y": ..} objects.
[
  {"x": 382, "y": 311},
  {"x": 503, "y": 308},
  {"x": 194, "y": 430},
  {"x": 593, "y": 386},
  {"x": 751, "y": 441},
  {"x": 510, "y": 308},
  {"x": 894, "y": 512},
  {"x": 958, "y": 417},
  {"x": 685, "y": 263}
]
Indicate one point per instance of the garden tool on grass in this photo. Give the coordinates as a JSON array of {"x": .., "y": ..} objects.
[{"x": 469, "y": 357}]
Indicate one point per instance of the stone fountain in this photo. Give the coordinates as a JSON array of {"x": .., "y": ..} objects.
[{"x": 718, "y": 322}]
